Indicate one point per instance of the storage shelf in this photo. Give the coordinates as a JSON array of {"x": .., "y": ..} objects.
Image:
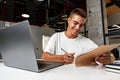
[{"x": 113, "y": 33}]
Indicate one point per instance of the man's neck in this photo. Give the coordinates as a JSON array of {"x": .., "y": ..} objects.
[{"x": 69, "y": 35}]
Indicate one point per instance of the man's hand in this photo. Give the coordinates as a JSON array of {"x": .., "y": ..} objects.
[
  {"x": 106, "y": 58},
  {"x": 68, "y": 58}
]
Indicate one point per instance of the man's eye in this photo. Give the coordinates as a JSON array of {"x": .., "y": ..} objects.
[
  {"x": 75, "y": 23},
  {"x": 81, "y": 25}
]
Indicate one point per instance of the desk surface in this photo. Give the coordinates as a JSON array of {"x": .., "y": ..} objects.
[{"x": 65, "y": 72}]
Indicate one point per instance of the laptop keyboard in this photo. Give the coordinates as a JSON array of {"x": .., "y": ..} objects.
[{"x": 42, "y": 64}]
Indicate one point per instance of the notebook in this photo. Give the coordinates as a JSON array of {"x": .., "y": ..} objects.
[{"x": 18, "y": 47}]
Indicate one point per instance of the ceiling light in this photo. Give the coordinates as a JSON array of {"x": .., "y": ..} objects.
[
  {"x": 25, "y": 15},
  {"x": 40, "y": 0}
]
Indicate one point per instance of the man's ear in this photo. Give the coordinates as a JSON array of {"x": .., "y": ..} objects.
[{"x": 68, "y": 19}]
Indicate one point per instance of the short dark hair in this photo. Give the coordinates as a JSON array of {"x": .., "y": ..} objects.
[{"x": 79, "y": 12}]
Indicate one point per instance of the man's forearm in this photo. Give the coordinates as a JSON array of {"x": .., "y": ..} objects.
[{"x": 51, "y": 57}]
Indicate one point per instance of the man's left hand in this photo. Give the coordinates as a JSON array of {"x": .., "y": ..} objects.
[{"x": 106, "y": 58}]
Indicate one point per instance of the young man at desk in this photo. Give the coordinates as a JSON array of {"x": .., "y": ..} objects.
[{"x": 66, "y": 46}]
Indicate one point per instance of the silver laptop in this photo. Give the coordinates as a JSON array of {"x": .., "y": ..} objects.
[{"x": 18, "y": 48}]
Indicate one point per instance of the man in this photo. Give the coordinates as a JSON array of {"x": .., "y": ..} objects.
[{"x": 67, "y": 45}]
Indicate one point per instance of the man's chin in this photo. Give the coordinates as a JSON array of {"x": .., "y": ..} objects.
[{"x": 75, "y": 34}]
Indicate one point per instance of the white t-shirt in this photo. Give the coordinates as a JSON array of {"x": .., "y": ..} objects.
[{"x": 78, "y": 45}]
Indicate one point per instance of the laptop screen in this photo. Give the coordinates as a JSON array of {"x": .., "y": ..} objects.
[{"x": 17, "y": 46}]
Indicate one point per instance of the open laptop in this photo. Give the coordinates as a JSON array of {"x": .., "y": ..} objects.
[{"x": 18, "y": 48}]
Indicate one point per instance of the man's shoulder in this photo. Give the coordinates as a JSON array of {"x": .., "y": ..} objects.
[
  {"x": 57, "y": 34},
  {"x": 84, "y": 38}
]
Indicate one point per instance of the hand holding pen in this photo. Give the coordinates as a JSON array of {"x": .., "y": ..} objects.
[{"x": 68, "y": 57}]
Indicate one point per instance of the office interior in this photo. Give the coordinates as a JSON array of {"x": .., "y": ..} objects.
[{"x": 49, "y": 16}]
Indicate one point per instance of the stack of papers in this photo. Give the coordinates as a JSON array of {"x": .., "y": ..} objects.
[{"x": 113, "y": 67}]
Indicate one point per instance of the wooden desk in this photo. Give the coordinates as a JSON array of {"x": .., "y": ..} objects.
[{"x": 65, "y": 72}]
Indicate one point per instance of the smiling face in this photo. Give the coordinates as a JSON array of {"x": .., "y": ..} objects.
[{"x": 75, "y": 25}]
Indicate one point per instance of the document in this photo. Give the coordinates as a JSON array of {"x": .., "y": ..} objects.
[
  {"x": 102, "y": 49},
  {"x": 89, "y": 57}
]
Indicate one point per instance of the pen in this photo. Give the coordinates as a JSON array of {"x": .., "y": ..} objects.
[
  {"x": 63, "y": 50},
  {"x": 68, "y": 57}
]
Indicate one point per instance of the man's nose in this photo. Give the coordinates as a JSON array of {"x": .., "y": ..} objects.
[{"x": 77, "y": 27}]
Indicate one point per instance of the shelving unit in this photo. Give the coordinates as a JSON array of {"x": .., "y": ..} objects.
[
  {"x": 114, "y": 38},
  {"x": 113, "y": 22},
  {"x": 113, "y": 35}
]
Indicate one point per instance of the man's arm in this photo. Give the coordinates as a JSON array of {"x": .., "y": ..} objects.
[
  {"x": 67, "y": 57},
  {"x": 51, "y": 57}
]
